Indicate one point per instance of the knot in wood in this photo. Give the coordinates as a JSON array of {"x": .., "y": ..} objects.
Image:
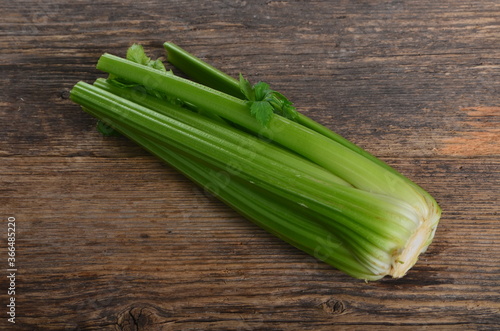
[
  {"x": 333, "y": 307},
  {"x": 65, "y": 94},
  {"x": 141, "y": 318}
]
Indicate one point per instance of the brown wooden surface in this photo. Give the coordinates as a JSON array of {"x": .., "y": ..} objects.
[{"x": 109, "y": 238}]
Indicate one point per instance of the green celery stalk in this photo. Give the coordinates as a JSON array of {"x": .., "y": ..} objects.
[
  {"x": 348, "y": 212},
  {"x": 298, "y": 180}
]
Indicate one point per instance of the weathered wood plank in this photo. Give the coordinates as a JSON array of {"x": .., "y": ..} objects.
[
  {"x": 373, "y": 73},
  {"x": 111, "y": 239},
  {"x": 119, "y": 236}
]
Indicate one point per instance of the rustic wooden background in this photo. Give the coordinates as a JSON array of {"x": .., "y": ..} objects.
[{"x": 109, "y": 238}]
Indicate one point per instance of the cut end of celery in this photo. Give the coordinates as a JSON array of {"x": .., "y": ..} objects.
[{"x": 417, "y": 244}]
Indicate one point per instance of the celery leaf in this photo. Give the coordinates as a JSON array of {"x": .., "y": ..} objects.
[
  {"x": 264, "y": 101},
  {"x": 136, "y": 54},
  {"x": 262, "y": 111}
]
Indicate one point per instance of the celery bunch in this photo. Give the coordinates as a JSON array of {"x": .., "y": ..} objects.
[{"x": 249, "y": 146}]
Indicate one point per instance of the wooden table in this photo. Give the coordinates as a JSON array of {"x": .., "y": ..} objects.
[{"x": 109, "y": 238}]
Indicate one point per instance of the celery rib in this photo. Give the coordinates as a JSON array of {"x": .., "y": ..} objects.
[
  {"x": 273, "y": 176},
  {"x": 298, "y": 180}
]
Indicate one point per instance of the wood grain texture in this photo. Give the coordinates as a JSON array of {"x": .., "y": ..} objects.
[{"x": 109, "y": 238}]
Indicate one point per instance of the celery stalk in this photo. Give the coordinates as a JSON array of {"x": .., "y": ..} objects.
[
  {"x": 349, "y": 212},
  {"x": 298, "y": 180}
]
